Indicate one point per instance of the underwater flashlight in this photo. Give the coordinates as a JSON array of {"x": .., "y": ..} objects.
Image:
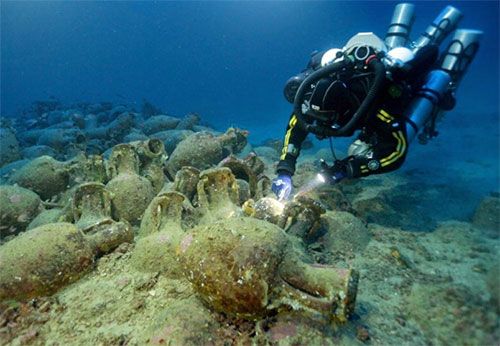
[
  {"x": 284, "y": 192},
  {"x": 320, "y": 178}
]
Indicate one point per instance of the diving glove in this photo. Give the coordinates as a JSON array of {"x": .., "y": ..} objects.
[
  {"x": 282, "y": 186},
  {"x": 333, "y": 174}
]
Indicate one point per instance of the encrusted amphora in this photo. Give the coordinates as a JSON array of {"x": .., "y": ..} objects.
[
  {"x": 152, "y": 158},
  {"x": 91, "y": 210},
  {"x": 131, "y": 193},
  {"x": 160, "y": 233},
  {"x": 217, "y": 194},
  {"x": 248, "y": 268},
  {"x": 46, "y": 258}
]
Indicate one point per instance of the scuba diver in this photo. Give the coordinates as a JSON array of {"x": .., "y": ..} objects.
[{"x": 388, "y": 90}]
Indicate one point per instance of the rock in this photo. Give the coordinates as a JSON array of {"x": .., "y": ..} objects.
[
  {"x": 487, "y": 214},
  {"x": 452, "y": 314},
  {"x": 9, "y": 147},
  {"x": 343, "y": 232},
  {"x": 186, "y": 322},
  {"x": 18, "y": 207},
  {"x": 44, "y": 175},
  {"x": 363, "y": 334}
]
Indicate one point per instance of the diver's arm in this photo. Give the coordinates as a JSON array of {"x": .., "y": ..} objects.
[
  {"x": 291, "y": 147},
  {"x": 386, "y": 147}
]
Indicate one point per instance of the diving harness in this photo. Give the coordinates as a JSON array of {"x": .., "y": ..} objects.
[{"x": 366, "y": 56}]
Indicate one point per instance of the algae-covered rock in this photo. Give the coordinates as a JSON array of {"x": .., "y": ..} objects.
[
  {"x": 487, "y": 214},
  {"x": 41, "y": 261},
  {"x": 343, "y": 232},
  {"x": 201, "y": 150},
  {"x": 452, "y": 314},
  {"x": 44, "y": 175},
  {"x": 247, "y": 268},
  {"x": 18, "y": 207},
  {"x": 294, "y": 329},
  {"x": 186, "y": 322},
  {"x": 9, "y": 147}
]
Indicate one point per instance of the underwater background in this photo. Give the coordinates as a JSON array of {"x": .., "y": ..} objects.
[{"x": 429, "y": 260}]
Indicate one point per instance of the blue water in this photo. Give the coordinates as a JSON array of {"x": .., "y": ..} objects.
[{"x": 227, "y": 61}]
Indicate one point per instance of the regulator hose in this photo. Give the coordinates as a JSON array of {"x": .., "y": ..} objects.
[{"x": 374, "y": 64}]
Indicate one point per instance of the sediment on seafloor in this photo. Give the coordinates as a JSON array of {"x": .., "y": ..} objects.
[{"x": 120, "y": 226}]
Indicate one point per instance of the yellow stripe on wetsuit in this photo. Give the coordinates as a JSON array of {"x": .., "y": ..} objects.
[
  {"x": 291, "y": 125},
  {"x": 384, "y": 116},
  {"x": 400, "y": 150}
]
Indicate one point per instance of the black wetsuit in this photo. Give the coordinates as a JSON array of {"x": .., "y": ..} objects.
[{"x": 383, "y": 127}]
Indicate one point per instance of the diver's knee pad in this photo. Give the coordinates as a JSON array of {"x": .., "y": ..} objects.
[{"x": 360, "y": 148}]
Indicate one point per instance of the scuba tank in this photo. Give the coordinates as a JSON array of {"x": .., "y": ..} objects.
[
  {"x": 442, "y": 26},
  {"x": 460, "y": 52},
  {"x": 425, "y": 109},
  {"x": 399, "y": 29}
]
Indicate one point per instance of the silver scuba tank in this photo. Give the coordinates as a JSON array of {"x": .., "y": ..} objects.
[
  {"x": 401, "y": 22},
  {"x": 437, "y": 82},
  {"x": 454, "y": 63},
  {"x": 460, "y": 52},
  {"x": 435, "y": 33}
]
